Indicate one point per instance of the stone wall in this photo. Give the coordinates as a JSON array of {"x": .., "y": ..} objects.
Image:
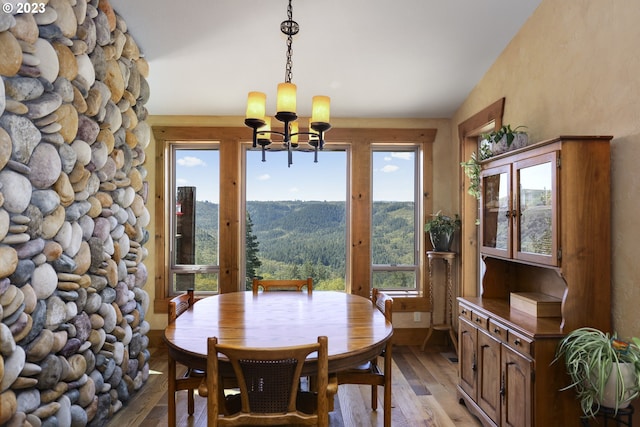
[{"x": 73, "y": 216}]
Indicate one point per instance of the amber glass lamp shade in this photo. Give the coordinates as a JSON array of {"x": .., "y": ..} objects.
[
  {"x": 294, "y": 130},
  {"x": 264, "y": 134},
  {"x": 320, "y": 109},
  {"x": 256, "y": 105},
  {"x": 286, "y": 102}
]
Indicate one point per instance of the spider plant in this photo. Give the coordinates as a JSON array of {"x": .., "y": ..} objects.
[{"x": 591, "y": 356}]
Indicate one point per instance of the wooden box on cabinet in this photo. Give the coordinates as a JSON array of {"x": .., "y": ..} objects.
[
  {"x": 536, "y": 304},
  {"x": 544, "y": 228}
]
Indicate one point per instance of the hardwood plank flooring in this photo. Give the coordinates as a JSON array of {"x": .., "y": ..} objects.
[{"x": 423, "y": 395}]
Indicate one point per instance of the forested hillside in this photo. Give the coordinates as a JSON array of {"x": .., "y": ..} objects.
[{"x": 299, "y": 239}]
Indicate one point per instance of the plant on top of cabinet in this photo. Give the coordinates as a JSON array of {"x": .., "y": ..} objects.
[
  {"x": 604, "y": 370},
  {"x": 441, "y": 229},
  {"x": 505, "y": 139}
]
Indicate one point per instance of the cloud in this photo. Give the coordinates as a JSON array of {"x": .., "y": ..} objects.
[
  {"x": 181, "y": 182},
  {"x": 403, "y": 155},
  {"x": 294, "y": 190},
  {"x": 389, "y": 168},
  {"x": 264, "y": 177},
  {"x": 190, "y": 161}
]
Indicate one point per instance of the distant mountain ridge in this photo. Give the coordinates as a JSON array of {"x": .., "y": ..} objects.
[{"x": 309, "y": 237}]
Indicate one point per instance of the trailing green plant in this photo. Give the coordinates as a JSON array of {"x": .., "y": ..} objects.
[
  {"x": 496, "y": 136},
  {"x": 590, "y": 357},
  {"x": 442, "y": 223},
  {"x": 472, "y": 169}
]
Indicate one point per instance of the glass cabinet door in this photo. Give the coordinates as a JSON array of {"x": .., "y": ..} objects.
[
  {"x": 535, "y": 221},
  {"x": 495, "y": 211}
]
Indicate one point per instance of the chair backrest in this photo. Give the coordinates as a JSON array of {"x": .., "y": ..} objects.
[
  {"x": 282, "y": 285},
  {"x": 179, "y": 304},
  {"x": 384, "y": 303},
  {"x": 268, "y": 379}
]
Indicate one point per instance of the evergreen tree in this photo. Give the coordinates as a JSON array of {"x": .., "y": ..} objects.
[{"x": 253, "y": 262}]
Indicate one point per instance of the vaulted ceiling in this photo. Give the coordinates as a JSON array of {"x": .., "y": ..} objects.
[{"x": 374, "y": 58}]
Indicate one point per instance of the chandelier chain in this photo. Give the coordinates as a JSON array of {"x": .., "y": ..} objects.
[
  {"x": 289, "y": 67},
  {"x": 289, "y": 28},
  {"x": 255, "y": 119}
]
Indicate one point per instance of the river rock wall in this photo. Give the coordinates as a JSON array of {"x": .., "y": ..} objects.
[{"x": 73, "y": 192}]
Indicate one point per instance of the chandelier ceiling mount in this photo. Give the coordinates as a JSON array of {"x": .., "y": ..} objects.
[{"x": 286, "y": 107}]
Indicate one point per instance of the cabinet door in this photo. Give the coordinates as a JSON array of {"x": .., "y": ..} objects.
[
  {"x": 536, "y": 209},
  {"x": 489, "y": 375},
  {"x": 495, "y": 211},
  {"x": 516, "y": 389},
  {"x": 467, "y": 340}
]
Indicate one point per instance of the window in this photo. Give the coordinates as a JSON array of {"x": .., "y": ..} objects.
[
  {"x": 215, "y": 159},
  {"x": 194, "y": 201},
  {"x": 295, "y": 225},
  {"x": 395, "y": 225}
]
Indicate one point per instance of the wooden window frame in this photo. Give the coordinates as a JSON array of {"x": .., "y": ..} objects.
[{"x": 231, "y": 209}]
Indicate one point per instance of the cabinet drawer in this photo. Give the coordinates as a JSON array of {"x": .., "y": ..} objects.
[
  {"x": 498, "y": 330},
  {"x": 480, "y": 320},
  {"x": 465, "y": 312},
  {"x": 520, "y": 343}
]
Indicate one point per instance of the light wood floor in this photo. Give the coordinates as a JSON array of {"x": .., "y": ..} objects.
[{"x": 423, "y": 395}]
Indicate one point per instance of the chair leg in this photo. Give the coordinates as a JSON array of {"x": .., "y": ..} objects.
[
  {"x": 171, "y": 392},
  {"x": 190, "y": 402},
  {"x": 374, "y": 397}
]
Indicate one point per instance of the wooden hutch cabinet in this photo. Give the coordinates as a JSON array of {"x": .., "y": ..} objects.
[{"x": 544, "y": 231}]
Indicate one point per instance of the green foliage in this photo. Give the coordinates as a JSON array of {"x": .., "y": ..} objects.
[
  {"x": 472, "y": 169},
  {"x": 206, "y": 239},
  {"x": 589, "y": 356},
  {"x": 252, "y": 249},
  {"x": 300, "y": 239},
  {"x": 296, "y": 239},
  {"x": 442, "y": 224},
  {"x": 391, "y": 223},
  {"x": 495, "y": 136}
]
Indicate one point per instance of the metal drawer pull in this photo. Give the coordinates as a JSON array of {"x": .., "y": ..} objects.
[{"x": 516, "y": 341}]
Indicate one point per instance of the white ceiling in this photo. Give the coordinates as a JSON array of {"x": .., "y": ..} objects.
[{"x": 374, "y": 58}]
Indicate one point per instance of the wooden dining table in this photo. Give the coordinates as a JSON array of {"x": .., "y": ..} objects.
[{"x": 357, "y": 331}]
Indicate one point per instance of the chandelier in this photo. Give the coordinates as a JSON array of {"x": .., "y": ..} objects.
[{"x": 286, "y": 108}]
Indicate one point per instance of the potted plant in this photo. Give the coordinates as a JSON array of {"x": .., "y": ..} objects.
[
  {"x": 505, "y": 138},
  {"x": 441, "y": 229},
  {"x": 604, "y": 370}
]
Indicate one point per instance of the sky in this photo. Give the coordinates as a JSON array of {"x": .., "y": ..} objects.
[{"x": 304, "y": 180}]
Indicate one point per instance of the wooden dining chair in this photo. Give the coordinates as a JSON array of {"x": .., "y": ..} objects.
[
  {"x": 370, "y": 372},
  {"x": 282, "y": 285},
  {"x": 269, "y": 386},
  {"x": 192, "y": 378}
]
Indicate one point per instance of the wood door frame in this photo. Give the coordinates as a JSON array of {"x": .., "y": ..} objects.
[{"x": 487, "y": 119}]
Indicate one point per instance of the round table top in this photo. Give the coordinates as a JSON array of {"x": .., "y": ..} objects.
[{"x": 356, "y": 330}]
